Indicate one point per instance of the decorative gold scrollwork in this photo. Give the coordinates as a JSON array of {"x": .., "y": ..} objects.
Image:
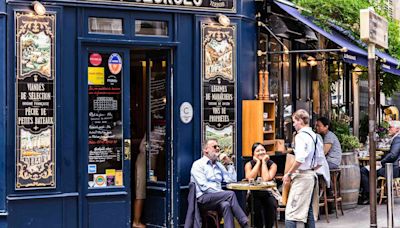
[{"x": 127, "y": 149}]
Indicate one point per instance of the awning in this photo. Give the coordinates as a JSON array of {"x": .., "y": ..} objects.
[
  {"x": 390, "y": 64},
  {"x": 354, "y": 54}
]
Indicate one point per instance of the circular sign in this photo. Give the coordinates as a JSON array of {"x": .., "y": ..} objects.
[
  {"x": 186, "y": 111},
  {"x": 100, "y": 180},
  {"x": 115, "y": 63},
  {"x": 95, "y": 59}
]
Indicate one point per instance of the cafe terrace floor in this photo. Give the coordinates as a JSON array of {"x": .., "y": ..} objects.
[{"x": 358, "y": 217}]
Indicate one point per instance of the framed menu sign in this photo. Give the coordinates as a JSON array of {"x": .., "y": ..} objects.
[
  {"x": 35, "y": 101},
  {"x": 218, "y": 57},
  {"x": 105, "y": 119}
]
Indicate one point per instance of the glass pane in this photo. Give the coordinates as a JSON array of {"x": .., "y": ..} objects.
[
  {"x": 149, "y": 104},
  {"x": 151, "y": 28},
  {"x": 158, "y": 95},
  {"x": 287, "y": 97},
  {"x": 105, "y": 25},
  {"x": 105, "y": 161}
]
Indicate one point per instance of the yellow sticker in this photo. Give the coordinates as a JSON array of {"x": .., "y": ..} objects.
[
  {"x": 118, "y": 178},
  {"x": 96, "y": 75},
  {"x": 110, "y": 172}
]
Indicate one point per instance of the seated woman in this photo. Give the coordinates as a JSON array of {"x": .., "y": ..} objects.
[{"x": 264, "y": 203}]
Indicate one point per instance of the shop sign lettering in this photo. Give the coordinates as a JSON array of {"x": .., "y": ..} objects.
[
  {"x": 200, "y": 5},
  {"x": 35, "y": 101},
  {"x": 218, "y": 86}
]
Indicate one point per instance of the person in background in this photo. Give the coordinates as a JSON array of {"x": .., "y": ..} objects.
[
  {"x": 332, "y": 147},
  {"x": 140, "y": 183},
  {"x": 262, "y": 166},
  {"x": 303, "y": 194},
  {"x": 392, "y": 157},
  {"x": 208, "y": 174}
]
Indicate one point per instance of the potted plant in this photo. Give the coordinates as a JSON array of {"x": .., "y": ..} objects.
[
  {"x": 348, "y": 142},
  {"x": 382, "y": 130},
  {"x": 350, "y": 169}
]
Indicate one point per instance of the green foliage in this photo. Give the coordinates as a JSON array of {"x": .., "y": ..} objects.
[
  {"x": 346, "y": 14},
  {"x": 341, "y": 129},
  {"x": 382, "y": 129},
  {"x": 349, "y": 142}
]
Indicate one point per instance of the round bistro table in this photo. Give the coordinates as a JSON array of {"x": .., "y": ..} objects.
[{"x": 246, "y": 186}]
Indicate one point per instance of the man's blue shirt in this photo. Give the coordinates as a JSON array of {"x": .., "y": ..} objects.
[{"x": 208, "y": 177}]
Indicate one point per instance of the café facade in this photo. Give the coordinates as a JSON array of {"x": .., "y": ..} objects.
[
  {"x": 90, "y": 88},
  {"x": 92, "y": 91}
]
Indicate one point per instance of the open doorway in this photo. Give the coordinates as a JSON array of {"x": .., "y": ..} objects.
[{"x": 149, "y": 119}]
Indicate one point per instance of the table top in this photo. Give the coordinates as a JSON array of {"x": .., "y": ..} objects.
[
  {"x": 244, "y": 185},
  {"x": 367, "y": 158},
  {"x": 384, "y": 149},
  {"x": 380, "y": 153}
]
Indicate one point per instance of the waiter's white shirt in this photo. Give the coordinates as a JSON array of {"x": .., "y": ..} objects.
[{"x": 304, "y": 146}]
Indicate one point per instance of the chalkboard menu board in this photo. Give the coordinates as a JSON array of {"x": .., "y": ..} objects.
[{"x": 105, "y": 119}]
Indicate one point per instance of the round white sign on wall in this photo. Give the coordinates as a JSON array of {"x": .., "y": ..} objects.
[{"x": 186, "y": 112}]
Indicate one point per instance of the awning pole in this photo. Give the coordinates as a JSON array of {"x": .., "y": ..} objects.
[
  {"x": 305, "y": 51},
  {"x": 260, "y": 23},
  {"x": 371, "y": 135}
]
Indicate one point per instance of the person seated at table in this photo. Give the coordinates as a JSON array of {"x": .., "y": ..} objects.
[
  {"x": 208, "y": 174},
  {"x": 392, "y": 157},
  {"x": 332, "y": 147},
  {"x": 264, "y": 203}
]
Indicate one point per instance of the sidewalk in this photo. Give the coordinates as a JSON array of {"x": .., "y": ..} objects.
[{"x": 357, "y": 218}]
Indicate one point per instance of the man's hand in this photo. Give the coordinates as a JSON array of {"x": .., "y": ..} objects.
[
  {"x": 287, "y": 178},
  {"x": 227, "y": 160}
]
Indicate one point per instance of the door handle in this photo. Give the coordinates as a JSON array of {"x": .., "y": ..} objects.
[{"x": 127, "y": 149}]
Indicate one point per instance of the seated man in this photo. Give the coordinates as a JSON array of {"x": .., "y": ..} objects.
[
  {"x": 392, "y": 157},
  {"x": 332, "y": 148},
  {"x": 208, "y": 174}
]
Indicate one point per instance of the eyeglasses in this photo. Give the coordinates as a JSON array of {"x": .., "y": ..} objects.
[{"x": 216, "y": 146}]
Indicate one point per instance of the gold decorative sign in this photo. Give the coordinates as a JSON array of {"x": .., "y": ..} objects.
[
  {"x": 218, "y": 58},
  {"x": 35, "y": 101}
]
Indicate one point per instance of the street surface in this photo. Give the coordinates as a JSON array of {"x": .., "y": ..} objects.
[{"x": 358, "y": 218}]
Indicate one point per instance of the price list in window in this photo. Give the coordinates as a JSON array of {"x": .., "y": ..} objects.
[{"x": 105, "y": 120}]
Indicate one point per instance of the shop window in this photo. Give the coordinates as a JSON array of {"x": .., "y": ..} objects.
[
  {"x": 151, "y": 28},
  {"x": 149, "y": 110},
  {"x": 106, "y": 25}
]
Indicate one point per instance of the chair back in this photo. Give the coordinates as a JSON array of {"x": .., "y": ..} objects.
[{"x": 193, "y": 218}]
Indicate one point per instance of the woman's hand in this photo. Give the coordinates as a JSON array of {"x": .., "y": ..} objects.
[
  {"x": 265, "y": 158},
  {"x": 256, "y": 159}
]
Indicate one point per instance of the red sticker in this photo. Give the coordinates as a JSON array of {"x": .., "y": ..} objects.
[{"x": 95, "y": 59}]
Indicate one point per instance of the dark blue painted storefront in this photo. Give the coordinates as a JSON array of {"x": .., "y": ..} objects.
[{"x": 72, "y": 203}]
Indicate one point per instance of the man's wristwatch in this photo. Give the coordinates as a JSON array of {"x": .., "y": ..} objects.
[{"x": 290, "y": 175}]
